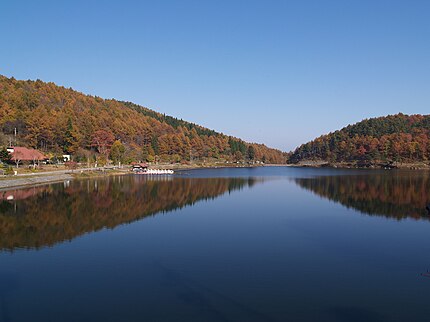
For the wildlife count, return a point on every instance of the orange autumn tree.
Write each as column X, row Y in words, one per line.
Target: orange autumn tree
column 103, row 141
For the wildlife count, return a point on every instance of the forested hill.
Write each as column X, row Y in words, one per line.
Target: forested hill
column 400, row 137
column 55, row 119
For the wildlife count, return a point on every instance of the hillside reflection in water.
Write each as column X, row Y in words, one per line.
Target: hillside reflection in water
column 45, row 215
column 393, row 194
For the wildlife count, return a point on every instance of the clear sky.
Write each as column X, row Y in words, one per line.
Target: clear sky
column 274, row 72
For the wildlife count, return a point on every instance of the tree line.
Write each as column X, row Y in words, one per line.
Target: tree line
column 58, row 120
column 394, row 138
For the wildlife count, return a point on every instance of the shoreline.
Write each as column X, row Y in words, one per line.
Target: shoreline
column 42, row 178
column 370, row 166
column 18, row 183
column 14, row 182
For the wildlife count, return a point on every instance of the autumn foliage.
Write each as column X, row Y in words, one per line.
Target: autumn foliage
column 53, row 118
column 394, row 138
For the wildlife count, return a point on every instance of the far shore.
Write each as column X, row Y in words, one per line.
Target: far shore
column 356, row 165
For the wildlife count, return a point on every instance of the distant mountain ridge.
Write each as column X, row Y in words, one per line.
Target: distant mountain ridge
column 392, row 138
column 61, row 120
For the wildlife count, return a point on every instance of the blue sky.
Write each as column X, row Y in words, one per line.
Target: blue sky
column 274, row 72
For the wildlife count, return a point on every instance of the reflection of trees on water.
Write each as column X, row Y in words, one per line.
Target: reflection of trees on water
column 393, row 194
column 43, row 216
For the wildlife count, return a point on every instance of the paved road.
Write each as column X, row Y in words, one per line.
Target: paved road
column 65, row 171
column 20, row 182
column 29, row 179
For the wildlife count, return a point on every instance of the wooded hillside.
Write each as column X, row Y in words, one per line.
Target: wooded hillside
column 400, row 137
column 59, row 120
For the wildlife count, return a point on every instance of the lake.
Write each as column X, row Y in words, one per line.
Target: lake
column 245, row 244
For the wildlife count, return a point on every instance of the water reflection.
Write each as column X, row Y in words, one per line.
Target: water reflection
column 393, row 194
column 45, row 215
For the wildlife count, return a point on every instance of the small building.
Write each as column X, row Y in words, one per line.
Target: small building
column 139, row 167
column 22, row 155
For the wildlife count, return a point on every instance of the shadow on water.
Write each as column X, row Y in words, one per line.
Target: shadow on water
column 393, row 194
column 45, row 215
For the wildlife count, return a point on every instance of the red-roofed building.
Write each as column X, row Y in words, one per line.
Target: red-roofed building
column 137, row 167
column 21, row 154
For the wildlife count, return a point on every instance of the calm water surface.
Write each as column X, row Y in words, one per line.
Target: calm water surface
column 265, row 244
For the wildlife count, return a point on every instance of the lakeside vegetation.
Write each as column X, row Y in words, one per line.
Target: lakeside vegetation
column 392, row 139
column 58, row 120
